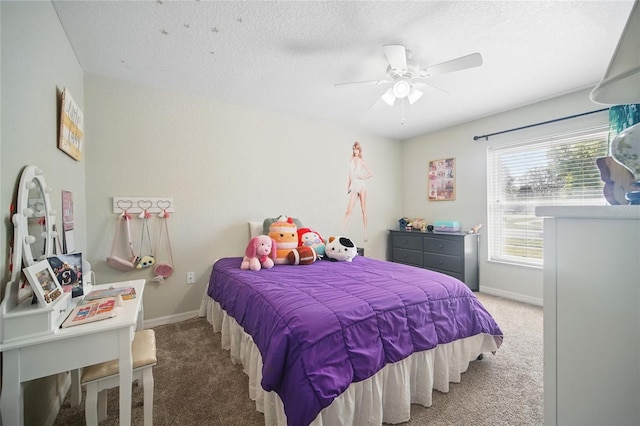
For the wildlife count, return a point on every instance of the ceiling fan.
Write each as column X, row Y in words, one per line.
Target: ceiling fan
column 403, row 73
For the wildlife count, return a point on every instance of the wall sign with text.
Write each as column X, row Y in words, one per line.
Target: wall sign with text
column 71, row 127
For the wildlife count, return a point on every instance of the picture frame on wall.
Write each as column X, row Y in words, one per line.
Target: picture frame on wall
column 442, row 180
column 71, row 138
column 44, row 282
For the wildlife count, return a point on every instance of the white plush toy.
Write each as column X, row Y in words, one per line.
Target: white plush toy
column 340, row 248
column 260, row 253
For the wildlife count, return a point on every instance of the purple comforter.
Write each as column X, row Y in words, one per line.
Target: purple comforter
column 320, row 327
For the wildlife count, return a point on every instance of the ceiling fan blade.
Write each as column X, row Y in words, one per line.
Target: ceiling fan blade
column 397, row 57
column 362, row 83
column 427, row 86
column 461, row 63
column 414, row 95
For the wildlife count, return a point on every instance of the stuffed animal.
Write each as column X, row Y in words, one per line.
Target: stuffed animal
column 302, row 255
column 340, row 249
column 260, row 253
column 145, row 262
column 310, row 238
column 284, row 233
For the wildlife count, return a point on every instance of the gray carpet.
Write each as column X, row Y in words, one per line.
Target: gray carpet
column 196, row 383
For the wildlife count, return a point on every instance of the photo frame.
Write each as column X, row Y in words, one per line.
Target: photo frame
column 44, row 282
column 68, row 270
column 442, row 180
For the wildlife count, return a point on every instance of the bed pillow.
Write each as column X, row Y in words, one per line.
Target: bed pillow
column 268, row 221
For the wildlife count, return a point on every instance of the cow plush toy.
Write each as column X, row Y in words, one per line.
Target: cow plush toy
column 340, row 249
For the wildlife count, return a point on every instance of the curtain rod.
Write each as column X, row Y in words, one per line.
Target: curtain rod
column 486, row 137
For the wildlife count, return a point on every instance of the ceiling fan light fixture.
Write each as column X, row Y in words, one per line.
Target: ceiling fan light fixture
column 401, row 89
column 414, row 95
column 389, row 97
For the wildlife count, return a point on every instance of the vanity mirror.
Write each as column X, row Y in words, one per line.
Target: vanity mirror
column 33, row 241
column 35, row 217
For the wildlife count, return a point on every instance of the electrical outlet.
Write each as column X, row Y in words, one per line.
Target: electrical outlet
column 191, row 277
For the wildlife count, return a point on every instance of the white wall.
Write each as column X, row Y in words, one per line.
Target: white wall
column 470, row 206
column 37, row 64
column 224, row 165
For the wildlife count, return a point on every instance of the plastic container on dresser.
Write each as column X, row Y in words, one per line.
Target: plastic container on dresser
column 454, row 254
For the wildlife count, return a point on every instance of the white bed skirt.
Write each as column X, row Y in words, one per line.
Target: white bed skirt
column 385, row 397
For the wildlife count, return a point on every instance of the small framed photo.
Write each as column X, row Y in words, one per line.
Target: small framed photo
column 44, row 282
column 68, row 270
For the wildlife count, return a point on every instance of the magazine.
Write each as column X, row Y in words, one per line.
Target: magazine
column 125, row 292
column 94, row 311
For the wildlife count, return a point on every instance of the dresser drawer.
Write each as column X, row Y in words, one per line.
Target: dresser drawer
column 409, row 257
column 454, row 254
column 443, row 246
column 411, row 242
column 443, row 262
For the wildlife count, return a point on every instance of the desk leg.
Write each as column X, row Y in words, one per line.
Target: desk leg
column 12, row 399
column 126, row 375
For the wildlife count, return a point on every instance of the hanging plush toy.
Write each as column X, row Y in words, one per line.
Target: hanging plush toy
column 260, row 253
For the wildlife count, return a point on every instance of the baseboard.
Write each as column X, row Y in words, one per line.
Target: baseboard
column 171, row 319
column 511, row 295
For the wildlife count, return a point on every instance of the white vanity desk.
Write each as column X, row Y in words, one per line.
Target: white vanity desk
column 67, row 349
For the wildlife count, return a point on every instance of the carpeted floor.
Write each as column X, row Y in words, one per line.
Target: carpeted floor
column 196, row 383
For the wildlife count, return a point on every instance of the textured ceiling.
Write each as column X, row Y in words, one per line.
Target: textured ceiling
column 285, row 56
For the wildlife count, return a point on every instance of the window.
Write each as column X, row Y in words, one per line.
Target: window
column 558, row 170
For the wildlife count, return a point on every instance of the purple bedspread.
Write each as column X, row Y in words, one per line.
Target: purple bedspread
column 320, row 327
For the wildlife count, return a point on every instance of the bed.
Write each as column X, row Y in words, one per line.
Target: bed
column 346, row 342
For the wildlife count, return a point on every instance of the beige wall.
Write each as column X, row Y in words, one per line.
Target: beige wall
column 224, row 165
column 37, row 64
column 470, row 206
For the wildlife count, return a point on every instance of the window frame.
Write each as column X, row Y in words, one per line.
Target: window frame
column 498, row 202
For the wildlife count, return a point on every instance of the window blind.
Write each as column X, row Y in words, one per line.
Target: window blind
column 556, row 170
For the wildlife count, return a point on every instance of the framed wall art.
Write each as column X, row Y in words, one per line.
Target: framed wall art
column 44, row 282
column 442, row 180
column 71, row 136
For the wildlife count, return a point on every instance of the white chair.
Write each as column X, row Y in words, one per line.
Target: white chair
column 100, row 377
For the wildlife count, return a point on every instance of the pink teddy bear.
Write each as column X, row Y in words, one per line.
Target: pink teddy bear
column 260, row 253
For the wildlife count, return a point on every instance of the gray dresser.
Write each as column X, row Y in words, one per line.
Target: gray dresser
column 454, row 254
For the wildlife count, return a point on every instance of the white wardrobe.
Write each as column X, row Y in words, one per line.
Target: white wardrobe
column 591, row 315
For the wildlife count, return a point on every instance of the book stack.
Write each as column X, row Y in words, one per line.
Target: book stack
column 125, row 292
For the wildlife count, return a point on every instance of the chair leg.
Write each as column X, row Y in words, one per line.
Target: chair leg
column 147, row 383
column 102, row 405
column 91, row 405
